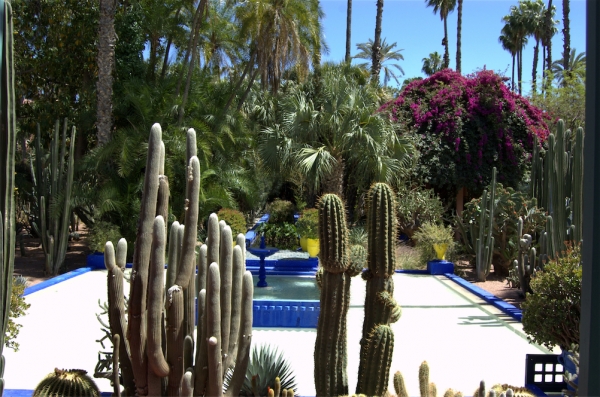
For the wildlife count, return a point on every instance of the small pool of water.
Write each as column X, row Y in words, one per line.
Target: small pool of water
column 287, row 288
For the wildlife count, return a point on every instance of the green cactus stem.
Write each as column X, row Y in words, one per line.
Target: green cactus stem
column 424, row 379
column 484, row 248
column 399, row 385
column 330, row 346
column 377, row 359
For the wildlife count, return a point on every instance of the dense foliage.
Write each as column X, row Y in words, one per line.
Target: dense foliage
column 415, row 207
column 551, row 314
column 18, row 308
column 463, row 126
column 431, row 233
column 235, row 219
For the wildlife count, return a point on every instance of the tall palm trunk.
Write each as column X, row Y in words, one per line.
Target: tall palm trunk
column 446, row 49
column 376, row 64
column 520, row 69
column 106, row 61
column 536, row 50
column 334, row 181
column 459, row 36
column 188, row 50
column 549, row 36
column 513, row 73
column 168, row 49
column 567, row 35
column 348, row 30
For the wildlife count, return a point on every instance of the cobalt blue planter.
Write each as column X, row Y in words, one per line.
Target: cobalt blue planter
column 96, row 260
column 438, row 266
column 566, row 360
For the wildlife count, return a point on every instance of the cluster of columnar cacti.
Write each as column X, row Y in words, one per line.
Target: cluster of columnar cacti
column 7, row 177
column 526, row 262
column 381, row 310
column 484, row 246
column 67, row 383
column 53, row 181
column 158, row 355
column 557, row 183
column 330, row 374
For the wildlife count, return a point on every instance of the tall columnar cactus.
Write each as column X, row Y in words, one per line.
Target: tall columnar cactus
column 484, row 246
column 330, row 347
column 53, row 181
column 577, row 187
column 526, row 262
column 147, row 366
column 380, row 306
column 7, row 177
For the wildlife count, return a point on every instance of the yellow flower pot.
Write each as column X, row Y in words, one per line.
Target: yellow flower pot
column 303, row 243
column 440, row 250
column 312, row 247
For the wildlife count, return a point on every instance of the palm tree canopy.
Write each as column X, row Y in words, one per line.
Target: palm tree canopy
column 576, row 66
column 444, row 7
column 366, row 52
column 432, row 64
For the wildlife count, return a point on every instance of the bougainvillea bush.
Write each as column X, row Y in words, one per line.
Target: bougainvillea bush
column 463, row 126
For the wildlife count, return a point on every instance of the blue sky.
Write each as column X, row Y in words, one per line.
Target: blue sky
column 418, row 31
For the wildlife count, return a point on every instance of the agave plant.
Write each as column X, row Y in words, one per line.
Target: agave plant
column 266, row 364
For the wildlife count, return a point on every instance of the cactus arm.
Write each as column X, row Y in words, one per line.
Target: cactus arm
column 188, row 352
column 378, row 356
column 136, row 332
column 187, row 261
column 226, row 274
column 162, row 204
column 577, row 190
column 201, row 360
column 399, row 385
column 156, row 358
column 63, row 237
column 173, row 258
column 424, row 379
column 187, row 384
column 202, row 267
column 213, row 315
column 236, row 303
column 115, row 361
column 121, row 255
column 213, row 239
column 244, row 339
column 175, row 339
column 189, row 296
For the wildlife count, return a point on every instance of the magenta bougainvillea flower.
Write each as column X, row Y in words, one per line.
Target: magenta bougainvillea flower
column 463, row 126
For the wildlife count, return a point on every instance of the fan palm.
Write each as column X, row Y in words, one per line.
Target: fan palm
column 386, row 54
column 515, row 28
column 535, row 12
column 376, row 48
column 444, row 7
column 432, row 64
column 346, row 133
column 509, row 44
column 566, row 34
column 576, row 67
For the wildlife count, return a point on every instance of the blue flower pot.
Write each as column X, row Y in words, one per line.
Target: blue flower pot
column 440, row 266
column 96, row 260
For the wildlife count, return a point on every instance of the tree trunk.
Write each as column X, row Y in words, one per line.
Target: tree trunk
column 188, row 51
column 106, row 60
column 460, row 201
column 513, row 74
column 348, row 30
column 567, row 36
column 520, row 70
column 458, row 36
column 549, row 36
column 446, row 49
column 168, row 50
column 243, row 98
column 334, row 181
column 240, row 81
column 376, row 62
column 536, row 50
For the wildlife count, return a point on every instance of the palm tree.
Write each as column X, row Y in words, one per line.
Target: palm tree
column 516, row 28
column 576, row 64
column 346, row 135
column 106, row 62
column 348, row 30
column 535, row 13
column 566, row 34
column 550, row 30
column 444, row 7
column 458, row 36
column 508, row 43
column 366, row 52
column 432, row 64
column 376, row 48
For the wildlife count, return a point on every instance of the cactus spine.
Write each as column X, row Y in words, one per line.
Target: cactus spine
column 380, row 306
column 72, row 382
column 7, row 177
column 484, row 247
column 177, row 369
column 52, row 183
column 330, row 346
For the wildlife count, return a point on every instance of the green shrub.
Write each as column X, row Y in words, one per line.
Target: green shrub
column 415, row 207
column 408, row 258
column 100, row 233
column 280, row 235
column 429, row 234
column 358, row 236
column 551, row 313
column 235, row 219
column 18, row 307
column 281, row 211
column 308, row 223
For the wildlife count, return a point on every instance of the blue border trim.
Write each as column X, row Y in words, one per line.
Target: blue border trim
column 506, row 308
column 56, row 280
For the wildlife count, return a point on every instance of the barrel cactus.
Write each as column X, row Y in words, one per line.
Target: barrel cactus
column 66, row 383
